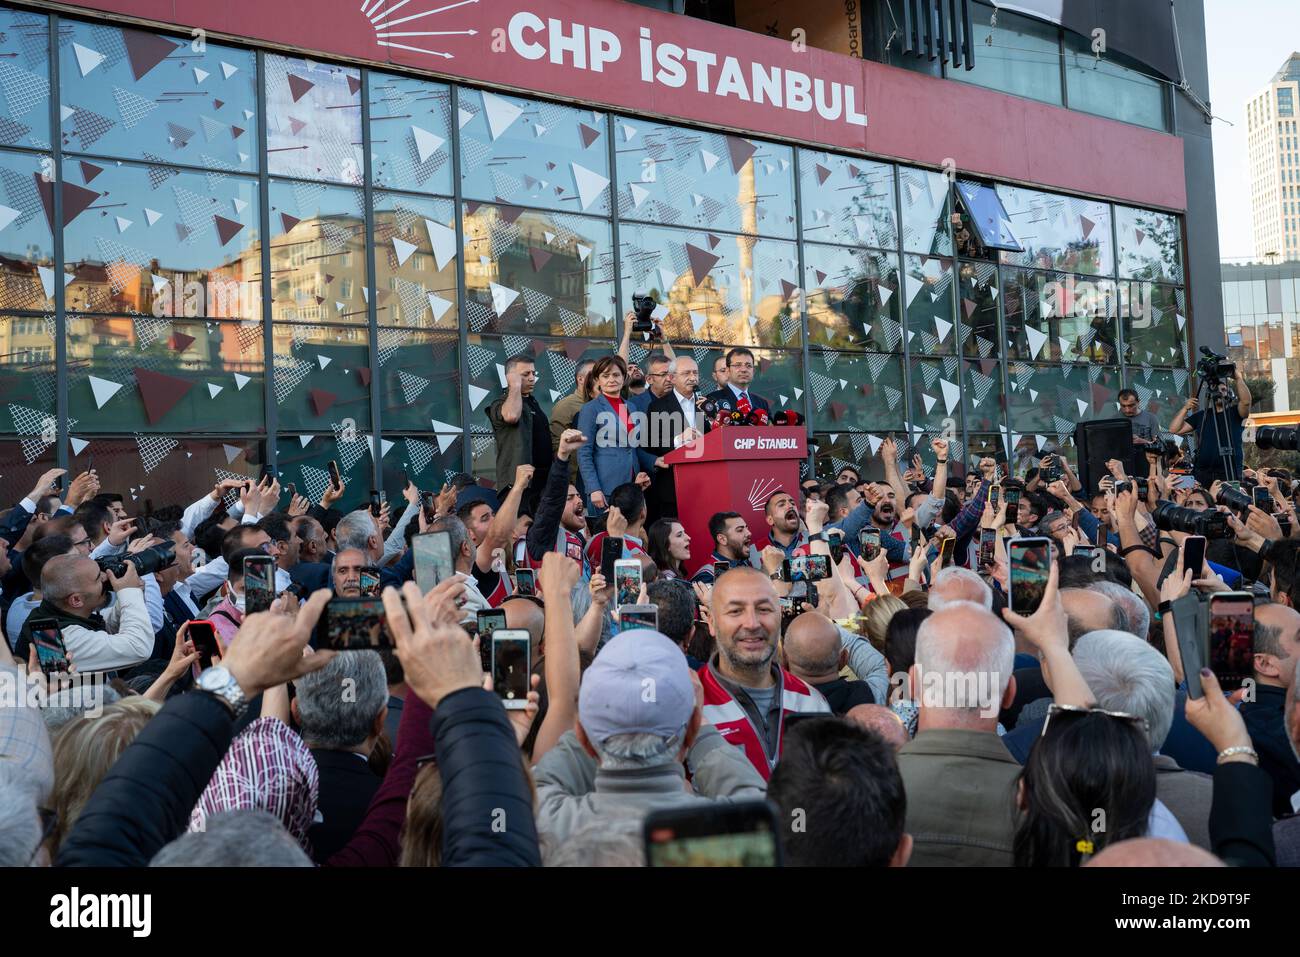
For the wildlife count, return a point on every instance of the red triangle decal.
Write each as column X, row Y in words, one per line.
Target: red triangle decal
column 701, row 261
column 363, row 375
column 787, row 289
column 298, row 87
column 540, row 258
column 289, row 222
column 226, row 228
column 574, row 348
column 159, row 392
column 146, row 50
column 589, row 134
column 218, row 104
column 179, row 342
column 89, row 171
column 713, row 240
column 354, row 85
column 75, row 199
column 321, row 400
column 741, row 150
column 823, row 174
column 236, row 132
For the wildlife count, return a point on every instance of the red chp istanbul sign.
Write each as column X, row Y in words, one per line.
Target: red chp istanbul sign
column 632, row 58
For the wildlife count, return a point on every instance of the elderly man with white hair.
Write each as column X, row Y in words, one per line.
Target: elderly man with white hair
column 959, row 777
column 954, row 584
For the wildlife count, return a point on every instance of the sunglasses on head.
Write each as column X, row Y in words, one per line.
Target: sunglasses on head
column 1060, row 711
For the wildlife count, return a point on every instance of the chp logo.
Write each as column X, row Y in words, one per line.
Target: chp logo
column 381, row 14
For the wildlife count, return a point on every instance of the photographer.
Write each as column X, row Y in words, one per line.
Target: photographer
column 1191, row 419
column 73, row 591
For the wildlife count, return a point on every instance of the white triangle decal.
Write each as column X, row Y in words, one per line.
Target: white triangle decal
column 200, row 75
column 1083, row 407
column 943, row 327
column 232, row 452
column 403, row 250
column 502, row 297
column 78, row 445
column 476, row 395
column 709, row 159
column 951, row 395
column 122, row 224
column 439, row 306
column 214, row 390
column 426, row 143
column 500, row 113
column 929, row 401
column 876, row 442
column 227, row 71
column 240, row 381
column 583, row 251
column 639, row 194
column 152, row 215
column 87, row 59
column 1036, row 340
column 590, row 184
column 7, row 215
column 324, row 361
column 443, row 241
column 305, row 440
column 103, row 390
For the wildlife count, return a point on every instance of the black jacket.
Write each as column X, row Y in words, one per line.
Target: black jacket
column 661, row 498
column 346, row 786
column 1241, row 824
column 145, row 800
column 545, row 530
column 726, row 399
column 1267, row 726
column 482, row 769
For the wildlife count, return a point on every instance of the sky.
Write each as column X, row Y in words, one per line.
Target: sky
column 1246, row 42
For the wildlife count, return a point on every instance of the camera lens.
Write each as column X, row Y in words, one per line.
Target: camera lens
column 1235, row 499
column 1277, row 437
column 1210, row 523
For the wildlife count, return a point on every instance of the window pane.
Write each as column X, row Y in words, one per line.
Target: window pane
column 410, row 133
column 557, row 364
column 165, row 242
column 1019, row 56
column 533, row 153
column 415, row 257
column 851, row 298
column 429, row 460
column 733, row 290
column 1050, row 399
column 847, row 200
column 936, row 392
column 1105, row 86
column 304, row 461
column 982, row 395
column 1151, row 247
column 313, row 121
column 1059, row 232
column 159, row 470
column 686, row 177
column 322, row 377
column 27, row 380
column 144, row 95
column 21, row 472
column 318, row 253
column 928, row 291
column 26, row 247
column 856, row 391
column 1055, row 317
column 979, row 310
column 419, row 379
column 1154, row 325
column 1160, row 391
column 926, row 208
column 537, row 273
column 142, row 373
column 843, row 448
column 24, row 80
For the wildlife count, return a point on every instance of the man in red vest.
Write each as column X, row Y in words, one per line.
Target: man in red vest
column 747, row 695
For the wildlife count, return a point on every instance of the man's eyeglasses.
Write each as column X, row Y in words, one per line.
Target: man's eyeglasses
column 1061, row 711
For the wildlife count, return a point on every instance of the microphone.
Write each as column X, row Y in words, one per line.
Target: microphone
column 787, row 417
column 757, row 417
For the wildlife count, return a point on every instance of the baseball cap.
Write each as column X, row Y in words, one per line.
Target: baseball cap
column 477, row 493
column 639, row 683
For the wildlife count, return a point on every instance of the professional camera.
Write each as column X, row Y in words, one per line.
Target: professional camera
column 1234, row 498
column 1213, row 367
column 1139, row 483
column 1053, row 471
column 146, row 561
column 643, row 325
column 1210, row 523
column 1166, row 449
column 1283, row 438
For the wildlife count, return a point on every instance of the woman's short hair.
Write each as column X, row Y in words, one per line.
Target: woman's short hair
column 602, row 365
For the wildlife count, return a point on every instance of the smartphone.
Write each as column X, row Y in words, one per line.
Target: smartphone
column 356, row 623
column 427, row 501
column 638, row 616
column 487, row 621
column 916, row 537
column 988, row 542
column 292, row 490
column 1030, row 560
column 511, row 666
column 993, row 497
column 51, row 655
column 525, row 581
column 204, row 635
column 1087, row 551
column 336, row 480
column 627, row 580
column 611, row 551
column 1012, row 496
column 707, row 834
column 869, row 541
column 376, row 504
column 259, row 583
column 432, row 559
column 1099, row 539
column 1263, row 500
column 1232, row 638
column 835, row 538
column 719, row 568
column 1190, row 642
column 945, row 551
column 795, row 569
column 370, row 581
column 1194, row 555
column 819, row 567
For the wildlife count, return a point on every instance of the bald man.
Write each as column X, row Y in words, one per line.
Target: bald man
column 747, row 695
column 812, row 650
column 958, row 584
column 1154, row 852
column 958, row 774
column 881, row 720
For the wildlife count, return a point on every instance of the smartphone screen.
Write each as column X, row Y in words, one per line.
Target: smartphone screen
column 369, row 581
column 1263, row 500
column 487, row 621
column 741, row 834
column 356, row 623
column 819, row 567
column 627, row 581
column 796, row 569
column 204, row 636
column 611, row 550
column 1013, row 499
column 1194, row 555
column 1232, row 638
column 432, row 559
column 993, row 497
column 1030, row 561
column 376, row 505
column 336, row 480
column 945, row 551
column 869, row 542
column 988, row 541
column 719, row 568
column 1099, row 539
column 638, row 616
column 50, row 653
column 259, row 583
column 511, row 664
column 1087, row 551
column 525, row 581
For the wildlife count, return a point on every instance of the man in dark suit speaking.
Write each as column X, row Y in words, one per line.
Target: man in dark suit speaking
column 735, row 395
column 672, row 419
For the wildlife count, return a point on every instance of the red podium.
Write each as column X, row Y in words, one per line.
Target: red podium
column 734, row 469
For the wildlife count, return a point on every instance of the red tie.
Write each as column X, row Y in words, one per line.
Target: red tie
column 743, row 406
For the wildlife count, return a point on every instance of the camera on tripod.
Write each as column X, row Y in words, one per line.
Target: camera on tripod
column 1210, row 523
column 1214, row 368
column 643, row 325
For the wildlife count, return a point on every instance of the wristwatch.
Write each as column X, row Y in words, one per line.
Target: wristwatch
column 818, row 537
column 221, row 684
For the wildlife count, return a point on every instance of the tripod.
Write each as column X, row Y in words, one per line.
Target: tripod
column 1222, row 427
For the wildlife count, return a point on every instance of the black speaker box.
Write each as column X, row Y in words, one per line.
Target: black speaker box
column 1098, row 442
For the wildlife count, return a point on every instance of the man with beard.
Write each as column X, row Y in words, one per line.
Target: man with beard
column 748, row 697
column 561, row 519
column 783, row 522
column 732, row 543
column 852, row 512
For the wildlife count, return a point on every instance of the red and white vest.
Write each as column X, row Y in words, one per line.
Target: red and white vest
column 727, row 715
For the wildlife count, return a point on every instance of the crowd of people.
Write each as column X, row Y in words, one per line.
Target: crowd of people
column 894, row 711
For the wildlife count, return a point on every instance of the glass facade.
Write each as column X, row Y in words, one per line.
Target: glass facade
column 1262, row 325
column 233, row 259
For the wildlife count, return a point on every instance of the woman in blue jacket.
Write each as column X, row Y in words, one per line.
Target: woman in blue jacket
column 608, row 458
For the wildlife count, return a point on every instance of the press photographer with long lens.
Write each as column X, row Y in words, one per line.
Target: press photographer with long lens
column 1218, row 433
